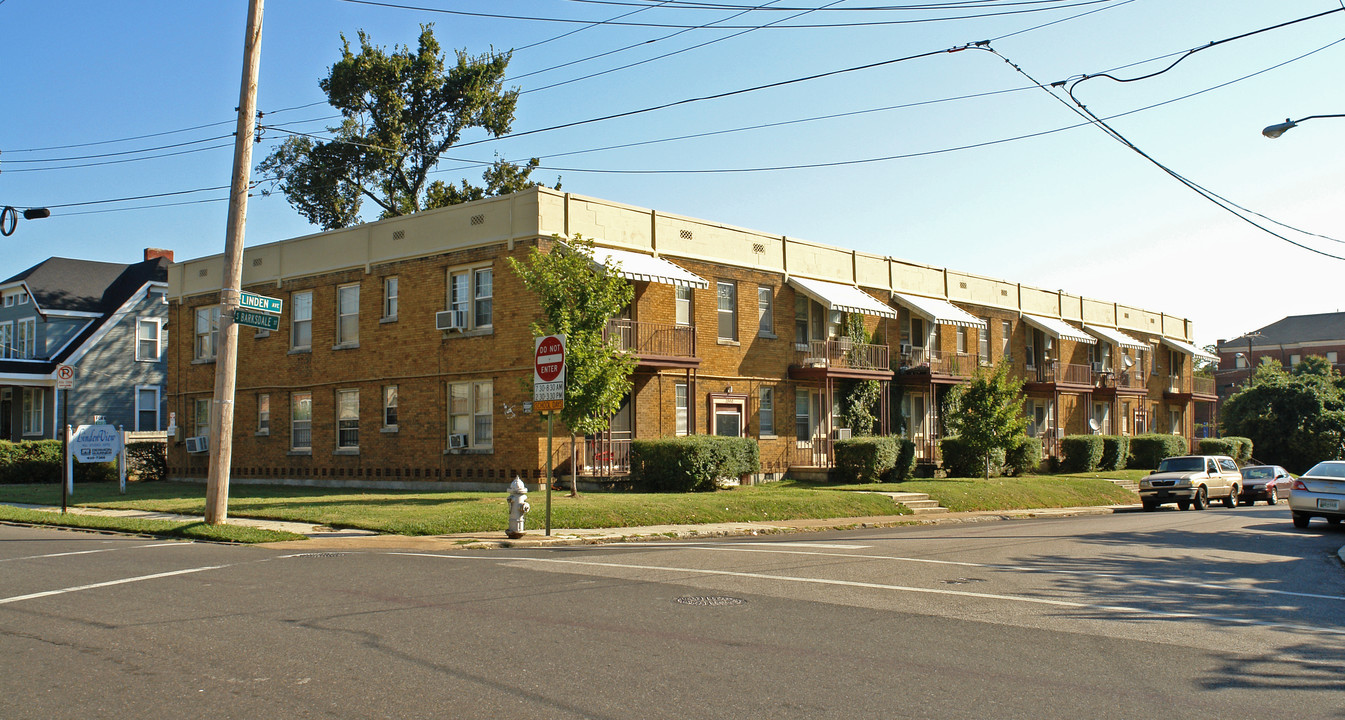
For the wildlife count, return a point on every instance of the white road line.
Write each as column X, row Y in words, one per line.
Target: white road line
column 1125, row 609
column 109, row 583
column 737, row 547
column 90, row 552
column 823, row 546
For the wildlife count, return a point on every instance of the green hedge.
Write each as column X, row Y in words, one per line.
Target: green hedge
column 1082, row 453
column 1025, row 457
column 905, row 467
column 1146, row 451
column 1219, row 446
column 867, row 459
column 39, row 461
column 1244, row 454
column 146, row 461
column 960, row 461
column 1115, row 452
column 691, row 463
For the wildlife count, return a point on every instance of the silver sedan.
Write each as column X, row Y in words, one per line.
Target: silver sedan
column 1319, row 492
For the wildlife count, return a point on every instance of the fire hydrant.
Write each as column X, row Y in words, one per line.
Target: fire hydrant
column 518, row 507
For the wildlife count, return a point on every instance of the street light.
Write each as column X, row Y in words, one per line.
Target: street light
column 1279, row 129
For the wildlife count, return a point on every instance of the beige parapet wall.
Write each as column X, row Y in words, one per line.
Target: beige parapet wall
column 540, row 212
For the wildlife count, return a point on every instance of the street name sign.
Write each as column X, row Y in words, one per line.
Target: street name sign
column 251, row 318
column 253, row 301
column 548, row 380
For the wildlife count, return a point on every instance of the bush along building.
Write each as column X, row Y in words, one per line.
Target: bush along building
column 107, row 321
column 404, row 353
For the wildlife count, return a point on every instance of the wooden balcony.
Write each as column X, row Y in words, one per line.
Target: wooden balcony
column 841, row 358
column 655, row 344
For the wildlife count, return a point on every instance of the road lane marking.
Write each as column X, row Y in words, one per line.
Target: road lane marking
column 1124, row 609
column 90, row 552
column 109, row 583
column 822, row 546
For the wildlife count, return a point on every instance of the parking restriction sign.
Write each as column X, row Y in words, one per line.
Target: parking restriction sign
column 65, row 377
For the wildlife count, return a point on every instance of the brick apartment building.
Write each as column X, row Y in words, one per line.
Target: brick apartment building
column 1287, row 340
column 735, row 331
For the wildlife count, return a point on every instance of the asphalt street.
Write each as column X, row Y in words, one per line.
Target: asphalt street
column 1223, row 613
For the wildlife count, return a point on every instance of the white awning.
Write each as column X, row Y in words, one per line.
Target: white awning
column 1059, row 328
column 1189, row 349
column 1115, row 337
column 846, row 298
column 941, row 312
column 647, row 268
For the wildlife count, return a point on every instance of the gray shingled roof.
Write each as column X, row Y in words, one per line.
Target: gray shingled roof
column 1294, row 329
column 77, row 285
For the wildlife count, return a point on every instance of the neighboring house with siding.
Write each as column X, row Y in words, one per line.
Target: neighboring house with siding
column 108, row 321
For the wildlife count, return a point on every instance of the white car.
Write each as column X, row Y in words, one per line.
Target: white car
column 1319, row 492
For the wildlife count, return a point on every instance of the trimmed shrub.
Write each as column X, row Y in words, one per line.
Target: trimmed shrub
column 1115, row 452
column 865, row 459
column 1082, row 453
column 1146, row 451
column 1025, row 457
column 146, row 461
column 960, row 461
column 39, row 461
column 905, row 467
column 693, row 463
column 1219, row 446
column 1244, row 454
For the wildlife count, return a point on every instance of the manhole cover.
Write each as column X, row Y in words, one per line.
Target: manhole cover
column 710, row 600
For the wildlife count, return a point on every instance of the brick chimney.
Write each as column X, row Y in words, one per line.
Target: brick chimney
column 156, row 253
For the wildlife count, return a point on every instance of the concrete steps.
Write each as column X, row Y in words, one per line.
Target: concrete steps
column 1130, row 485
column 918, row 503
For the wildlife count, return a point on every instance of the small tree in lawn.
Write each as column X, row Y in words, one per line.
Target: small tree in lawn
column 578, row 297
column 987, row 412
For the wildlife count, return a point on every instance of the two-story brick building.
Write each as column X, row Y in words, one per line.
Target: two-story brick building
column 1288, row 341
column 736, row 332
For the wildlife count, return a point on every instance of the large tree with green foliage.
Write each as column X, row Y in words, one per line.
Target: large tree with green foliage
column 401, row 110
column 1294, row 419
column 987, row 412
column 578, row 297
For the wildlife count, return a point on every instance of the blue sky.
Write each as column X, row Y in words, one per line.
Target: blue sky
column 1071, row 209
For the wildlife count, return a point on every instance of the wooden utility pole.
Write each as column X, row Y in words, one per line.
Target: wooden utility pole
column 226, row 355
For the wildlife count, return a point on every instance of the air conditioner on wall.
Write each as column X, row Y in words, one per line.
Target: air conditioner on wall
column 841, row 433
column 457, row 441
column 905, row 348
column 198, row 444
column 1097, row 367
column 1059, row 433
column 450, row 320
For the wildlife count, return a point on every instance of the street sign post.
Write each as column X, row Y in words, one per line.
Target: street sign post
column 252, row 318
column 253, row 301
column 548, row 394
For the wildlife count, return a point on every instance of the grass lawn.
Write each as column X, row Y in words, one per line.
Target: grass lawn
column 143, row 526
column 1014, row 493
column 438, row 513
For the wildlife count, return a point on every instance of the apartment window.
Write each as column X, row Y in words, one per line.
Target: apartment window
column 1006, row 334
column 680, row 403
column 728, row 418
column 470, row 413
column 389, row 407
column 301, row 422
column 34, row 403
column 301, row 322
column 23, row 298
column 470, row 296
column 983, row 341
column 264, row 414
column 803, row 427
column 147, row 339
column 6, row 340
column 207, row 332
column 765, row 314
column 200, row 416
column 1175, row 422
column 683, row 304
column 26, row 337
column 347, row 419
column 1294, row 360
column 961, row 340
column 390, row 298
column 800, row 319
column 9, row 300
column 1331, row 356
column 1240, row 361
column 728, row 310
column 146, row 408
column 766, row 412
column 1030, row 347
column 348, row 315
column 918, row 334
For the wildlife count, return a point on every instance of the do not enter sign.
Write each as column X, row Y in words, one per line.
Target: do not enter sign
column 548, row 381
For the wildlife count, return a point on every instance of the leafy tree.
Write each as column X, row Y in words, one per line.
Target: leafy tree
column 401, row 110
column 1294, row 419
column 987, row 412
column 578, row 297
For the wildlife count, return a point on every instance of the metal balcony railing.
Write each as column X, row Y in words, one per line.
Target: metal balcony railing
column 1202, row 385
column 843, row 353
column 955, row 364
column 1058, row 372
column 651, row 339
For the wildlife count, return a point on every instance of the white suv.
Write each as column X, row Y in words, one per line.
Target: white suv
column 1191, row 481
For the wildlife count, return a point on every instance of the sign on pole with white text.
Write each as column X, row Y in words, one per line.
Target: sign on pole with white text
column 95, row 443
column 548, row 379
column 261, row 303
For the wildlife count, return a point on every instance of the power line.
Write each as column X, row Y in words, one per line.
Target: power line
column 123, row 152
column 123, row 160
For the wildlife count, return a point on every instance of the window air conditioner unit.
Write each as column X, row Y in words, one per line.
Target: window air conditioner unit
column 457, row 441
column 450, row 320
column 1059, row 433
column 905, row 348
column 1097, row 367
column 198, row 444
column 841, row 433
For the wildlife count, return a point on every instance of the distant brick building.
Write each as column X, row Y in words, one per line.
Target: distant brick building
column 736, row 332
column 1288, row 340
